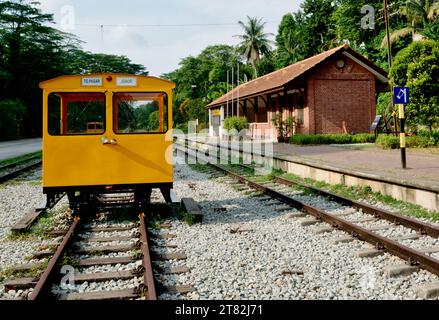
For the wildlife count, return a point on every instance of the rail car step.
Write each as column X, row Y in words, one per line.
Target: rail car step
column 103, row 295
column 108, row 249
column 24, row 223
column 20, row 283
column 193, row 208
column 103, row 276
column 104, row 261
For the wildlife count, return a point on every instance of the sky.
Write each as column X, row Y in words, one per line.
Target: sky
column 161, row 48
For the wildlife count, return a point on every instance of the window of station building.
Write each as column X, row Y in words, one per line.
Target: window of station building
column 140, row 113
column 76, row 113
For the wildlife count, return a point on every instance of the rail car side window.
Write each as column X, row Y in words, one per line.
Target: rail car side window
column 140, row 112
column 76, row 113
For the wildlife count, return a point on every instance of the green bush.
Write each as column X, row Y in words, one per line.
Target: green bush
column 11, row 112
column 237, row 123
column 332, row 138
column 392, row 142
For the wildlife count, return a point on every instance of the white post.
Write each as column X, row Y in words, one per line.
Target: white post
column 237, row 83
column 233, row 83
column 227, row 96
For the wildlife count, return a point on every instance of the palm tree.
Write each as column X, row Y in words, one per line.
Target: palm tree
column 255, row 42
column 420, row 14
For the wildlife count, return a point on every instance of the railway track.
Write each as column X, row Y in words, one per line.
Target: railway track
column 101, row 262
column 12, row 170
column 414, row 241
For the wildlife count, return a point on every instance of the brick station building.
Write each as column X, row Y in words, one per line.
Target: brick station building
column 333, row 92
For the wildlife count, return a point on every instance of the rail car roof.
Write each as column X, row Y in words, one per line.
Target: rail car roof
column 74, row 82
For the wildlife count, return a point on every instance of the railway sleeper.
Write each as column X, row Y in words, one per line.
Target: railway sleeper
column 124, row 294
column 108, row 249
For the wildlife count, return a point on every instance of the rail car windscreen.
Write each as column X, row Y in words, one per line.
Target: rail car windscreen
column 140, row 113
column 76, row 113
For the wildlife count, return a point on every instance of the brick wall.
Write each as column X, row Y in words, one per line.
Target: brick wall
column 341, row 99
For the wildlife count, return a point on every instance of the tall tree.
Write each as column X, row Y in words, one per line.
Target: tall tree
column 290, row 39
column 203, row 78
column 86, row 62
column 255, row 42
column 421, row 15
column 319, row 29
column 417, row 67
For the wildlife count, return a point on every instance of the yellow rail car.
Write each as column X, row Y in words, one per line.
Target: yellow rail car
column 107, row 133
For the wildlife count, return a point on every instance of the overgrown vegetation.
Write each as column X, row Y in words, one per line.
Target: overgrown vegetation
column 363, row 194
column 392, row 142
column 284, row 128
column 10, row 273
column 303, row 139
column 236, row 123
column 21, row 158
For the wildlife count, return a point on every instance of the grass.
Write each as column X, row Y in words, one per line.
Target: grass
column 9, row 273
column 21, row 158
column 185, row 216
column 361, row 194
column 68, row 261
column 304, row 139
column 392, row 142
column 45, row 223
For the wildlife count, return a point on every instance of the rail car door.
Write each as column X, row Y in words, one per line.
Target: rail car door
column 142, row 149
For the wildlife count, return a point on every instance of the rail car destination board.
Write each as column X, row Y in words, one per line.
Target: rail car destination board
column 92, row 81
column 98, row 81
column 126, row 81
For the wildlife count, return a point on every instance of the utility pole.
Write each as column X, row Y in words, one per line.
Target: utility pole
column 389, row 46
column 389, row 57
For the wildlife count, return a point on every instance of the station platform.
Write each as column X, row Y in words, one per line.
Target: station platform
column 354, row 165
column 16, row 148
column 422, row 165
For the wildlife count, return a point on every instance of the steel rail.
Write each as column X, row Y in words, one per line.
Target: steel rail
column 43, row 282
column 421, row 227
column 10, row 175
column 16, row 164
column 146, row 260
column 417, row 225
column 412, row 256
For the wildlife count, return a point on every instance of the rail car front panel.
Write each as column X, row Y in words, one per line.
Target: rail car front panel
column 107, row 133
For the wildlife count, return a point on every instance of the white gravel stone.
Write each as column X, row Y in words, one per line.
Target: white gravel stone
column 249, row 265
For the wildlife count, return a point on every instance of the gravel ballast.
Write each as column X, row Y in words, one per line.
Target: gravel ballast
column 245, row 249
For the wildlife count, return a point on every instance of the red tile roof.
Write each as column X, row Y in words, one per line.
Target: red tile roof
column 281, row 77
